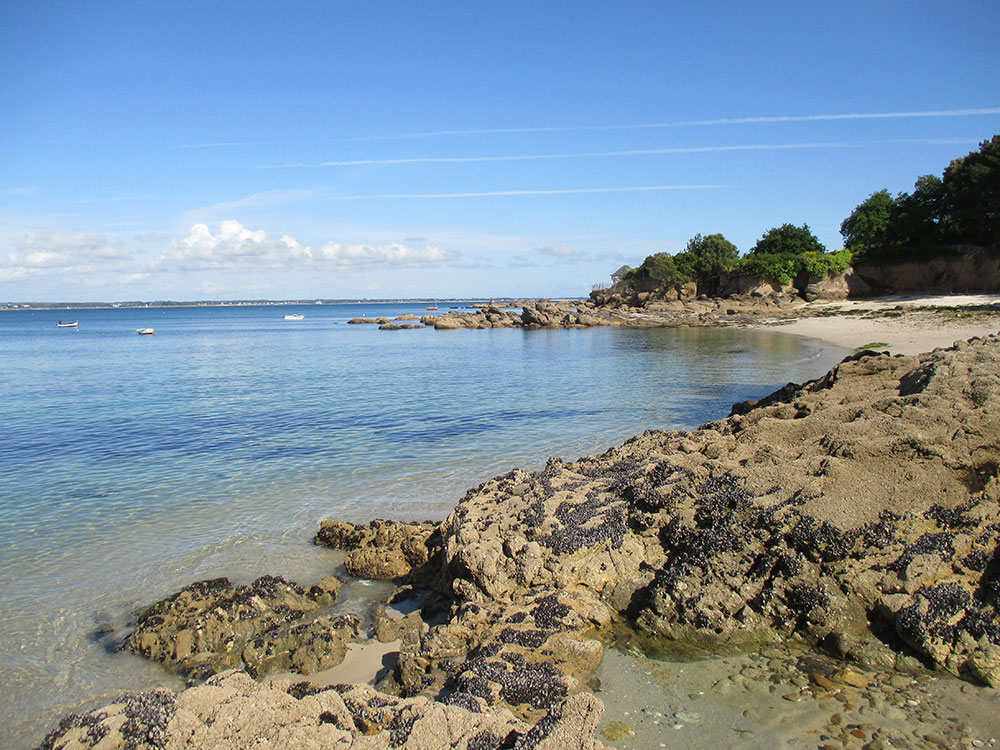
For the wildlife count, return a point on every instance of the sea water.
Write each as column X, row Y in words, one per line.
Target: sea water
column 133, row 465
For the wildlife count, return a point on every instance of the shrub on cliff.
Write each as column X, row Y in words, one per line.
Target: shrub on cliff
column 827, row 264
column 709, row 256
column 779, row 254
column 778, row 267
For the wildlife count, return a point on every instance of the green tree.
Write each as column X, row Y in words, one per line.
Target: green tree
column 661, row 270
column 710, row 255
column 971, row 188
column 919, row 218
column 788, row 239
column 866, row 229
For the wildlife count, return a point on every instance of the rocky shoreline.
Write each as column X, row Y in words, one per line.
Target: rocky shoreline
column 644, row 312
column 857, row 515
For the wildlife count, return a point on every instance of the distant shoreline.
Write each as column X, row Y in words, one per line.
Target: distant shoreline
column 28, row 306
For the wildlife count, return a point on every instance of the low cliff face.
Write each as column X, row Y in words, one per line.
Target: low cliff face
column 968, row 270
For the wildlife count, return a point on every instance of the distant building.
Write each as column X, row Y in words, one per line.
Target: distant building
column 619, row 274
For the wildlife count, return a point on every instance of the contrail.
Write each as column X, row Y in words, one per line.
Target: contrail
column 223, row 144
column 629, row 152
column 580, row 155
column 689, row 123
column 558, row 191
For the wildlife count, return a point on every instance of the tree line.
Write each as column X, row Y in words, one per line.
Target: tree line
column 962, row 207
column 941, row 214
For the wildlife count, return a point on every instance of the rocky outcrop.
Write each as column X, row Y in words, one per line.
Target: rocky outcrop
column 527, row 653
column 643, row 310
column 857, row 509
column 383, row 550
column 860, row 511
column 268, row 625
column 838, row 287
column 361, row 321
column 231, row 711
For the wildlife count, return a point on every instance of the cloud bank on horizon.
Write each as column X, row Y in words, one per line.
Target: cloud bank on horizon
column 512, row 160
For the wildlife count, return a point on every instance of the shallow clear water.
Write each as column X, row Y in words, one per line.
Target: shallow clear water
column 132, row 465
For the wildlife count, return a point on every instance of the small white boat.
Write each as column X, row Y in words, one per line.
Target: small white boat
column 74, row 324
column 146, row 331
column 295, row 317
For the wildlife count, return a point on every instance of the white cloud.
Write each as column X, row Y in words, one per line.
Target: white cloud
column 42, row 251
column 257, row 201
column 563, row 253
column 236, row 247
column 557, row 251
column 547, row 191
column 9, row 274
column 66, row 250
column 393, row 254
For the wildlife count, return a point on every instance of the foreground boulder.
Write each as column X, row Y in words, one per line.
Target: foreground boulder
column 234, row 711
column 268, row 625
column 526, row 655
column 383, row 550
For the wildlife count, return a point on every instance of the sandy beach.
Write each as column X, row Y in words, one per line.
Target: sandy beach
column 923, row 323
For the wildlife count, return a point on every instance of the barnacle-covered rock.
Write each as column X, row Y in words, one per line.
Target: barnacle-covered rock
column 205, row 627
column 866, row 499
column 384, row 550
column 232, row 711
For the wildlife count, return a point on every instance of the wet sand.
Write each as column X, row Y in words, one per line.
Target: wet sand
column 365, row 663
column 788, row 698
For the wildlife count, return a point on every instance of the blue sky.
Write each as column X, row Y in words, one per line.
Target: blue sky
column 220, row 150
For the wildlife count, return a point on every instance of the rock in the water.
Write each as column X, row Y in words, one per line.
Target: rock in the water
column 212, row 626
column 384, row 550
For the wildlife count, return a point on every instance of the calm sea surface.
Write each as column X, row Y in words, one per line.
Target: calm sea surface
column 132, row 465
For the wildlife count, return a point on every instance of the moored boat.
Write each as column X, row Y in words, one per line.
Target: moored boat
column 146, row 331
column 295, row 316
column 74, row 324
